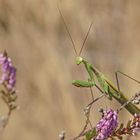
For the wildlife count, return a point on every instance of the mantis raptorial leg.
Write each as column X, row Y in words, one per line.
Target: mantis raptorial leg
column 106, row 85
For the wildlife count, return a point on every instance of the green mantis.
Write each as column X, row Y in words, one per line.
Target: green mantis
column 106, row 86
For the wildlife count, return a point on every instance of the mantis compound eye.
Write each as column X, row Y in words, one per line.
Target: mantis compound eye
column 79, row 60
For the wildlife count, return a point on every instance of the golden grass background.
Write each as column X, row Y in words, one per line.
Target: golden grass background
column 33, row 34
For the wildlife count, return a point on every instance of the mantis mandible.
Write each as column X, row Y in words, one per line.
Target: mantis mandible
column 106, row 85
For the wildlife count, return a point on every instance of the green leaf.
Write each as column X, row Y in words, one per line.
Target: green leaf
column 129, row 123
column 120, row 128
column 89, row 135
column 113, row 139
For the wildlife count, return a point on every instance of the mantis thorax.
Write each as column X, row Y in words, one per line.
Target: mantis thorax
column 79, row 60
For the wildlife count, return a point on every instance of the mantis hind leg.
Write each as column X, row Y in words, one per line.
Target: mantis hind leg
column 117, row 79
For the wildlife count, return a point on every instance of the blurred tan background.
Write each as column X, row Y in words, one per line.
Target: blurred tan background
column 33, row 34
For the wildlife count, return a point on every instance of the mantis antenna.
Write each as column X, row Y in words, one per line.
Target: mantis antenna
column 67, row 30
column 85, row 39
column 73, row 43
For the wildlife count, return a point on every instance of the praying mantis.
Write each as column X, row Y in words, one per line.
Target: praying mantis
column 107, row 87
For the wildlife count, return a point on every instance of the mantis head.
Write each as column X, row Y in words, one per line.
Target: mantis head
column 79, row 60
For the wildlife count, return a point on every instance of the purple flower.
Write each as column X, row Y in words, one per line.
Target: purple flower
column 107, row 124
column 8, row 77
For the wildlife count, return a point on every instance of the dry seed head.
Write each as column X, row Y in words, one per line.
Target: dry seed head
column 62, row 135
column 136, row 99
